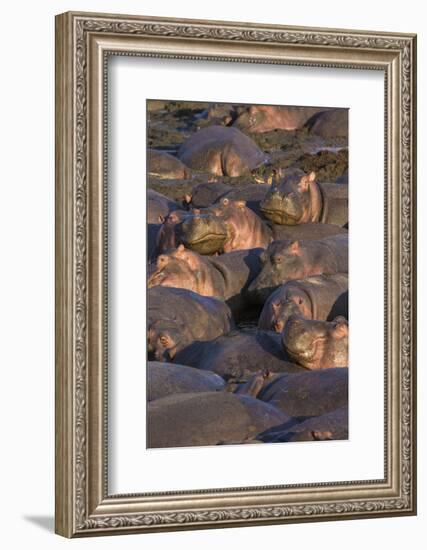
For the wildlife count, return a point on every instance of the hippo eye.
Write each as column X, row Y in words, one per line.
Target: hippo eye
column 277, row 259
column 300, row 301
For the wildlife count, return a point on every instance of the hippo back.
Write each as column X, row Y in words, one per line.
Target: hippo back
column 332, row 425
column 239, row 354
column 335, row 203
column 309, row 393
column 169, row 378
column 208, row 418
column 196, row 151
column 338, row 244
column 202, row 317
column 329, row 124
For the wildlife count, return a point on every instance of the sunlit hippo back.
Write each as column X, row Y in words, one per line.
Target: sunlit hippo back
column 222, row 151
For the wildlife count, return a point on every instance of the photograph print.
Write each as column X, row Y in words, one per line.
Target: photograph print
column 247, row 273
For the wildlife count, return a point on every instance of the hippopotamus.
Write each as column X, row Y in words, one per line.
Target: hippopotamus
column 206, row 194
column 169, row 378
column 226, row 277
column 329, row 426
column 332, row 123
column 242, row 228
column 321, row 297
column 316, row 344
column 159, row 206
column 208, row 418
column 297, row 198
column 222, row 151
column 239, row 354
column 164, row 165
column 168, row 235
column 178, row 317
column 266, row 118
column 308, row 393
column 287, row 260
column 224, row 227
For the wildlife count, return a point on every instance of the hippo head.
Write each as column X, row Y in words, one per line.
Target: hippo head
column 296, row 301
column 164, row 340
column 169, row 234
column 203, row 232
column 316, row 344
column 175, row 269
column 281, row 262
column 293, row 198
column 252, row 119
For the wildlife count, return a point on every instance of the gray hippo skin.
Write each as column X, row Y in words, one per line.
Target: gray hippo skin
column 284, row 261
column 239, row 354
column 316, row 345
column 321, row 297
column 177, row 317
column 158, row 206
column 329, row 124
column 221, row 151
column 169, row 378
column 305, row 231
column 330, row 426
column 308, row 393
column 225, row 277
column 296, row 198
column 166, row 166
column 208, row 418
column 266, row 118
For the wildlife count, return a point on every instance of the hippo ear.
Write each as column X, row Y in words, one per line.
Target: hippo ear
column 311, row 176
column 294, row 248
column 340, row 328
column 180, row 250
column 225, row 201
column 252, row 109
column 161, row 219
column 188, row 198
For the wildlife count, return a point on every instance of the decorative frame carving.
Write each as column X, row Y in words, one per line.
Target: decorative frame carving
column 83, row 43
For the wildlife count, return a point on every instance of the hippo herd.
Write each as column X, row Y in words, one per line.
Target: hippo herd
column 247, row 274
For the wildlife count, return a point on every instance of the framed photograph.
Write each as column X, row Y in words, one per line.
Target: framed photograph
column 231, row 198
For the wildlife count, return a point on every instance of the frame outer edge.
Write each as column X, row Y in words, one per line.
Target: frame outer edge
column 64, row 276
column 73, row 517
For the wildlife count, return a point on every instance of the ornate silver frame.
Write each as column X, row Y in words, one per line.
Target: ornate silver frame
column 83, row 42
